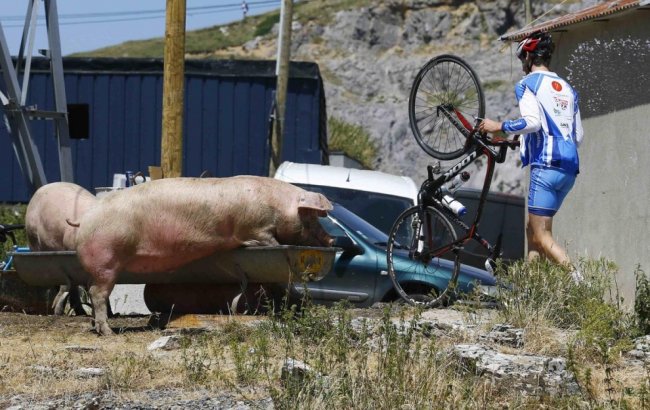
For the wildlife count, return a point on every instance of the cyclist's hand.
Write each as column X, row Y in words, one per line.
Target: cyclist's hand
column 488, row 125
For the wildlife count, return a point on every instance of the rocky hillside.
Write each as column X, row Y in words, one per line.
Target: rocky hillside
column 369, row 51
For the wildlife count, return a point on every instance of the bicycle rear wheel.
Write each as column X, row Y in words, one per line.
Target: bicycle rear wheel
column 421, row 253
column 445, row 81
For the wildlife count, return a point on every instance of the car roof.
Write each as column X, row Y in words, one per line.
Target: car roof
column 347, row 178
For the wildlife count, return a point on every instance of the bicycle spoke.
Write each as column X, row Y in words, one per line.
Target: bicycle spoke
column 423, row 230
column 443, row 82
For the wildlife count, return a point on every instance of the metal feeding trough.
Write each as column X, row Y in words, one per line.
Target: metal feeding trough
column 262, row 264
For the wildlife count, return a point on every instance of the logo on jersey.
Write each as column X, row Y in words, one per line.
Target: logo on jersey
column 561, row 103
column 556, row 86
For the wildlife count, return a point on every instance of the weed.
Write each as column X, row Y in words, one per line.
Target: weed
column 129, row 371
column 642, row 301
column 196, row 359
column 351, row 139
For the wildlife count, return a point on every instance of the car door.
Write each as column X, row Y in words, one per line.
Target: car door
column 354, row 273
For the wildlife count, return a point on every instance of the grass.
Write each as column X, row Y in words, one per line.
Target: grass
column 357, row 360
column 11, row 214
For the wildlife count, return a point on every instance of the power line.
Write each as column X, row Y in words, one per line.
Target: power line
column 144, row 13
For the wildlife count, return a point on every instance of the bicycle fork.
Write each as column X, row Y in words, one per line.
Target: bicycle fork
column 422, row 245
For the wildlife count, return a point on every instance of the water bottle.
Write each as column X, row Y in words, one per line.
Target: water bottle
column 129, row 179
column 454, row 205
column 458, row 180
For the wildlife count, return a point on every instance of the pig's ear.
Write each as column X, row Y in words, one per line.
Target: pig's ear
column 315, row 201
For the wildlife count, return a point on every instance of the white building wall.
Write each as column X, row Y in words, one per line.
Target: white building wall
column 607, row 213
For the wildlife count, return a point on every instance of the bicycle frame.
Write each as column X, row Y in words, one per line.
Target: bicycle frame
column 431, row 191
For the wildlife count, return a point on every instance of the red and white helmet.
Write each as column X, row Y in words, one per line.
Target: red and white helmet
column 540, row 44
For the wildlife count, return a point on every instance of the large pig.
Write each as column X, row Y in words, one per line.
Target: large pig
column 47, row 230
column 164, row 224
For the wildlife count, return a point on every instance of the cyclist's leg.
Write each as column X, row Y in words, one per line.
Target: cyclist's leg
column 548, row 188
column 541, row 228
column 533, row 251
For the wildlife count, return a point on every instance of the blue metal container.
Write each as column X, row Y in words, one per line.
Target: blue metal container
column 227, row 105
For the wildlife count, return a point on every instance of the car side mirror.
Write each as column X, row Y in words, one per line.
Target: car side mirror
column 347, row 244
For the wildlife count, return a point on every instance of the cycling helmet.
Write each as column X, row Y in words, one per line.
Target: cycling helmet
column 539, row 44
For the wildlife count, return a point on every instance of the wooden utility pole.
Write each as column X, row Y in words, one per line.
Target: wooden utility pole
column 529, row 13
column 282, row 73
column 171, row 149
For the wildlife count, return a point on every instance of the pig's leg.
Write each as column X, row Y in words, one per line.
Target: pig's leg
column 99, row 293
column 75, row 301
column 60, row 300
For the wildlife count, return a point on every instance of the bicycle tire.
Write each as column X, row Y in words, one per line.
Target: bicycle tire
column 447, row 81
column 411, row 265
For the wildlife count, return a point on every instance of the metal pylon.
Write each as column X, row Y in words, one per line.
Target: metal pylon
column 13, row 97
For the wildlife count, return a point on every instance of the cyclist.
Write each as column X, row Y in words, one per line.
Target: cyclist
column 550, row 121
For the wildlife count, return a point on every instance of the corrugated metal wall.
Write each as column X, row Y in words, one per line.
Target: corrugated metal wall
column 227, row 106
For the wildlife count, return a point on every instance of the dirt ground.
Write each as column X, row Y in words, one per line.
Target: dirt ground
column 60, row 362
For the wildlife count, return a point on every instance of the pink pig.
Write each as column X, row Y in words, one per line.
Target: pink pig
column 47, row 230
column 164, row 224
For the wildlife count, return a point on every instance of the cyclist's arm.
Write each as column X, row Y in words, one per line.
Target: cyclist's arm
column 530, row 120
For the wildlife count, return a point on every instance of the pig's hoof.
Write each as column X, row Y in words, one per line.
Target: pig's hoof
column 103, row 329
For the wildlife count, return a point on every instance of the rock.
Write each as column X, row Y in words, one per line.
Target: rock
column 88, row 372
column 505, row 335
column 166, row 343
column 534, row 375
column 294, row 368
column 252, row 44
column 297, row 371
column 425, row 26
column 641, row 349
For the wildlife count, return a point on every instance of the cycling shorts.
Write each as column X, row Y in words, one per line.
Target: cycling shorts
column 548, row 188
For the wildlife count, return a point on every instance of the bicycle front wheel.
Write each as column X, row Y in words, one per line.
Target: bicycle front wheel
column 445, row 81
column 422, row 254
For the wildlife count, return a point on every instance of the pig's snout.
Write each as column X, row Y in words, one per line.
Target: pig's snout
column 316, row 236
column 325, row 240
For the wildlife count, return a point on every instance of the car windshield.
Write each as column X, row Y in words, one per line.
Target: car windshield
column 380, row 210
column 357, row 225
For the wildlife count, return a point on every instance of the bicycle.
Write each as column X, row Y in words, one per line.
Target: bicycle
column 446, row 95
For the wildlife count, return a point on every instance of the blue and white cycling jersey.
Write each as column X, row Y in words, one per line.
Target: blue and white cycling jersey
column 550, row 121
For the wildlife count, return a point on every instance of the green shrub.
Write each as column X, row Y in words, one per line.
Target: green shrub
column 10, row 215
column 642, row 301
column 264, row 27
column 353, row 140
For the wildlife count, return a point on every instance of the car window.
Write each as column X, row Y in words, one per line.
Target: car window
column 331, row 227
column 379, row 209
column 356, row 224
